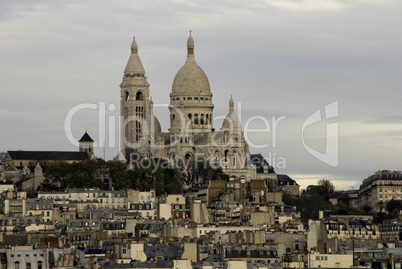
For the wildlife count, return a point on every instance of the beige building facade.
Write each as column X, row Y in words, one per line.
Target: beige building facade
column 381, row 187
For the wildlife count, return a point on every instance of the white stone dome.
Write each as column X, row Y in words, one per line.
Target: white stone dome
column 190, row 78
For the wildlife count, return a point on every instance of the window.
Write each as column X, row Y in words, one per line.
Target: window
column 39, row 265
column 317, row 258
column 28, row 265
column 17, row 265
column 139, row 96
column 196, row 119
column 226, row 155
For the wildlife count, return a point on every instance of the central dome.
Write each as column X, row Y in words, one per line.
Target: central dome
column 190, row 78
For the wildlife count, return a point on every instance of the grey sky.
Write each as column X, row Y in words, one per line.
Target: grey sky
column 277, row 57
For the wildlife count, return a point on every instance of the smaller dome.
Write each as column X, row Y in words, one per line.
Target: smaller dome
column 231, row 121
column 157, row 127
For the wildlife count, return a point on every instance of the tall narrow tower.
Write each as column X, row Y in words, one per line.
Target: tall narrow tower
column 135, row 106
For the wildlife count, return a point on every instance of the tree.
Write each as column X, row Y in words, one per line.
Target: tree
column 196, row 172
column 379, row 217
column 73, row 175
column 366, row 208
column 57, row 172
column 119, row 175
column 329, row 187
column 395, row 213
column 393, row 204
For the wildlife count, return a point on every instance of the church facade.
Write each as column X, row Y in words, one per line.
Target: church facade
column 192, row 134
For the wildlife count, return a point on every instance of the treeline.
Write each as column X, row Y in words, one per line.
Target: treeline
column 64, row 175
column 149, row 175
column 145, row 175
column 315, row 198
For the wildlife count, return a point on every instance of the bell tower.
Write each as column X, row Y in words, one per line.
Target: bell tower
column 86, row 144
column 135, row 105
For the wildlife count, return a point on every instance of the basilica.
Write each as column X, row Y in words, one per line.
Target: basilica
column 191, row 134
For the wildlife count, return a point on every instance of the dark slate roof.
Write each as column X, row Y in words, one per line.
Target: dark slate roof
column 86, row 138
column 16, row 239
column 165, row 251
column 111, row 264
column 259, row 161
column 48, row 155
column 116, row 225
column 157, row 264
column 284, row 180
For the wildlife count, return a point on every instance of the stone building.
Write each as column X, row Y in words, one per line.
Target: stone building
column 191, row 136
column 378, row 189
column 26, row 168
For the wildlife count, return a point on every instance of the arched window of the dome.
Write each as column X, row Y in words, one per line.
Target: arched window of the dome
column 196, row 119
column 127, row 96
column 190, row 116
column 139, row 96
column 202, row 119
column 206, row 119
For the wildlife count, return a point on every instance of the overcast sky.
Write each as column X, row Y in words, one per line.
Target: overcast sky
column 276, row 57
